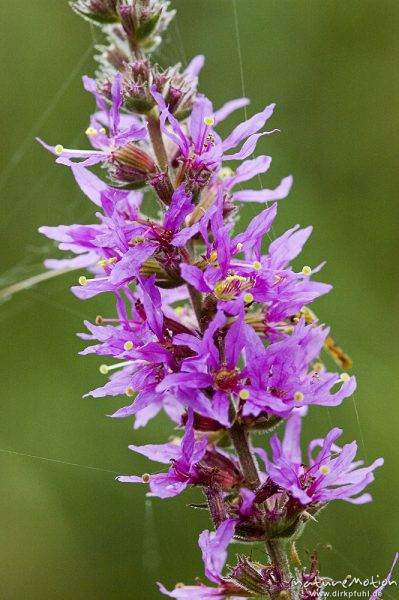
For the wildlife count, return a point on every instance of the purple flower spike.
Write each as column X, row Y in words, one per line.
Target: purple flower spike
column 210, row 321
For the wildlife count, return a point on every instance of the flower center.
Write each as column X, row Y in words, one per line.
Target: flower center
column 228, row 288
column 227, row 379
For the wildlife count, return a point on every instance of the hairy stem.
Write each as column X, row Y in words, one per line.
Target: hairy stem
column 277, row 551
column 196, row 301
column 155, row 133
column 241, row 442
column 276, row 548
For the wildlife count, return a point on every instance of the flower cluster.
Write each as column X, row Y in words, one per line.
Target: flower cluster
column 209, row 326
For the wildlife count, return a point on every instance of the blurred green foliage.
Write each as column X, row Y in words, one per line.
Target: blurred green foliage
column 70, row 532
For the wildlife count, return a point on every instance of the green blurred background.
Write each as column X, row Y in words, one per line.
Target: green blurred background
column 69, row 532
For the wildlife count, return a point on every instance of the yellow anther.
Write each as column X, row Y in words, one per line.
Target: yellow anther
column 257, row 265
column 235, row 278
column 306, row 270
column 325, row 470
column 277, row 278
column 128, row 345
column 91, row 131
column 239, row 246
column 103, row 369
column 179, row 586
column 102, row 130
column 99, row 320
column 298, row 396
column 129, row 391
column 209, row 121
column 82, row 280
column 137, row 240
column 112, row 260
column 344, row 377
column 318, row 367
column 102, row 262
column 244, row 394
column 225, row 172
column 59, row 149
column 213, row 256
column 146, row 477
column 179, row 310
column 248, row 297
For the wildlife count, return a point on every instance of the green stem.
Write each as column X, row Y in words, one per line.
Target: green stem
column 156, row 138
column 277, row 551
column 196, row 301
column 240, row 439
column 276, row 548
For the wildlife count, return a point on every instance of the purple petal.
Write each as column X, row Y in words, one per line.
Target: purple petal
column 90, row 85
column 246, row 506
column 179, row 208
column 193, row 592
column 377, row 593
column 229, row 107
column 194, row 276
column 214, row 548
column 287, row 247
column 176, row 135
column 248, row 128
column 162, row 453
column 78, row 262
column 292, row 439
column 116, row 92
column 202, row 108
column 152, row 306
column 166, row 485
column 248, row 147
column 127, row 268
column 182, row 237
column 195, row 66
column 135, row 133
column 221, row 408
column 90, row 184
column 265, row 195
column 189, row 380
column 130, row 479
column 248, row 170
column 235, row 341
column 91, row 156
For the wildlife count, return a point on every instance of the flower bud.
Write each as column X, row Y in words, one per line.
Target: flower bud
column 202, row 423
column 163, row 187
column 100, row 12
column 216, row 506
column 144, row 21
column 249, row 577
column 136, row 84
column 178, row 89
column 130, row 165
column 165, row 268
column 217, row 468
